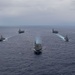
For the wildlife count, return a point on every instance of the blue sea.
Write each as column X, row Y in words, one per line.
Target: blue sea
column 17, row 56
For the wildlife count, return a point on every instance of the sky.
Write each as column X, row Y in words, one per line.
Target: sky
column 37, row 12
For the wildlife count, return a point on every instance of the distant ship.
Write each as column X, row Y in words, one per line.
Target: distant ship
column 37, row 48
column 66, row 38
column 2, row 38
column 54, row 31
column 20, row 31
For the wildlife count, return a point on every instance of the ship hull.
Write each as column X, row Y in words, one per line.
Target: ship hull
column 2, row 39
column 37, row 51
column 54, row 31
column 21, row 32
column 66, row 39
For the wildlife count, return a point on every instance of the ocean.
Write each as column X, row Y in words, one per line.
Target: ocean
column 17, row 56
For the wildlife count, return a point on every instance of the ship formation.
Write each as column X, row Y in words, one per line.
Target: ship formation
column 37, row 44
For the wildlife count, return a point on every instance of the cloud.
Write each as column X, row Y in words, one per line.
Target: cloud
column 47, row 11
column 18, row 6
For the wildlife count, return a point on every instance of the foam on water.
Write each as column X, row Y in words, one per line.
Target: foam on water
column 9, row 37
column 60, row 36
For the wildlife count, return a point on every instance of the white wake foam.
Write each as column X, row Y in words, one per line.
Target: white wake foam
column 9, row 37
column 60, row 36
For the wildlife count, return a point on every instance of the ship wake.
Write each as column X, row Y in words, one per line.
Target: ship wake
column 7, row 38
column 60, row 36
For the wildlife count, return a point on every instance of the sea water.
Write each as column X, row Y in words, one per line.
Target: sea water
column 17, row 56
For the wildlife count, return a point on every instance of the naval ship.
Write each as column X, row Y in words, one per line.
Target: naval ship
column 37, row 48
column 2, row 38
column 54, row 31
column 66, row 38
column 20, row 31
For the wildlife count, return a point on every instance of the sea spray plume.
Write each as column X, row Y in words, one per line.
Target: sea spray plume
column 38, row 40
